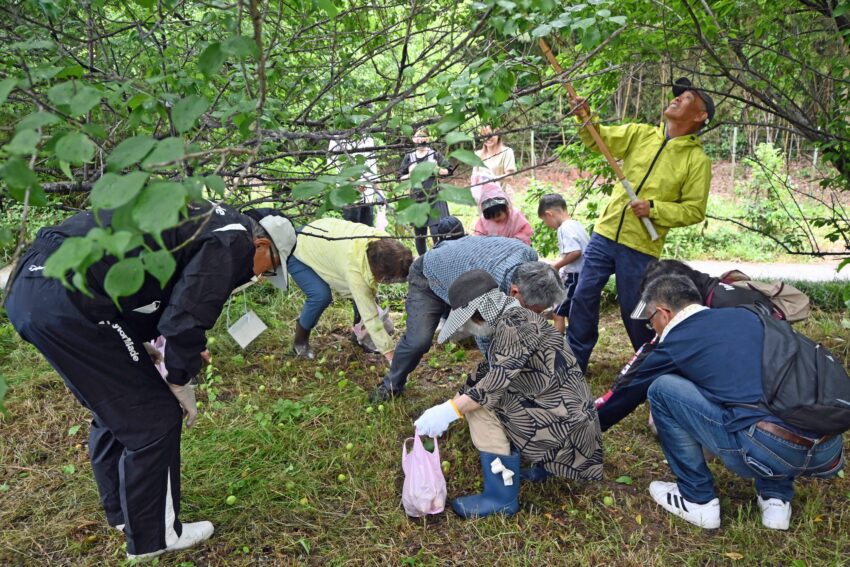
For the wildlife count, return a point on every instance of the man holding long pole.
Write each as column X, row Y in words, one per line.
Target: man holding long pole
column 665, row 179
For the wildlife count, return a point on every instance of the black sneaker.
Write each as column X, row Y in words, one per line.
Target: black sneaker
column 383, row 394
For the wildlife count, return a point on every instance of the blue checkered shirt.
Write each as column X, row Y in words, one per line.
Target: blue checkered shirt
column 497, row 255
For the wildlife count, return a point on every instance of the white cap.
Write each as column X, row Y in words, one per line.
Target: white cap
column 283, row 237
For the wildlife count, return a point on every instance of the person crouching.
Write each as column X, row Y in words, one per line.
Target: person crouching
column 529, row 399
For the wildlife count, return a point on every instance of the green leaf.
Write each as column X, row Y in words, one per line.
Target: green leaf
column 69, row 469
column 95, row 130
column 18, row 174
column 85, row 99
column 158, row 207
column 453, row 138
column 342, row 196
column 211, row 59
column 187, row 111
column 160, row 264
column 467, row 157
column 71, row 71
column 124, row 278
column 117, row 243
column 68, row 256
column 130, row 152
column 328, row 7
column 308, row 189
column 6, row 86
column 619, row 20
column 23, row 143
column 112, row 190
column 239, row 46
column 168, row 150
column 414, row 213
column 541, row 31
column 75, row 148
column 62, row 93
column 422, row 172
column 36, row 120
column 73, row 430
column 215, row 183
column 584, row 23
column 66, row 169
column 624, row 480
column 459, row 195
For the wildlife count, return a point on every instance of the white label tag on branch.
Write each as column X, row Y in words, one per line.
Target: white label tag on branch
column 247, row 328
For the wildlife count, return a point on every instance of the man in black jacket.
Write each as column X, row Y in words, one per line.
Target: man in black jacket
column 98, row 350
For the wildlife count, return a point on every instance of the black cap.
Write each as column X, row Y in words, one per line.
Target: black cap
column 683, row 84
column 469, row 286
column 449, row 228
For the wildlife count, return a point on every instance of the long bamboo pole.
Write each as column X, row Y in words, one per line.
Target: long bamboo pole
column 603, row 148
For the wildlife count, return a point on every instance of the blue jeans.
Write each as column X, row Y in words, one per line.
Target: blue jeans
column 602, row 258
column 318, row 292
column 687, row 422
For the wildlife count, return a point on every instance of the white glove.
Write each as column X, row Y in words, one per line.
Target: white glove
column 185, row 394
column 437, row 419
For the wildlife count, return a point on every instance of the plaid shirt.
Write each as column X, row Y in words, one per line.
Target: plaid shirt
column 496, row 255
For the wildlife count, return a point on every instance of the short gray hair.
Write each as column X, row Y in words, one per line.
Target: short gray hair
column 539, row 284
column 673, row 290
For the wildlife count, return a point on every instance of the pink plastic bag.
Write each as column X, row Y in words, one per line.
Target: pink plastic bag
column 424, row 490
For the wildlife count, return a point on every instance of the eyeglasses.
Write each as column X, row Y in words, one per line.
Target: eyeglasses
column 649, row 321
column 275, row 263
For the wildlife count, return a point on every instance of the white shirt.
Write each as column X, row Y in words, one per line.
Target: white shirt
column 571, row 237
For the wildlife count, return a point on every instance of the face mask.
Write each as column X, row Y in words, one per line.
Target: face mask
column 421, row 144
column 479, row 329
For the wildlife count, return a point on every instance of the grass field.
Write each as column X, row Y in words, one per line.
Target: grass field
column 274, row 432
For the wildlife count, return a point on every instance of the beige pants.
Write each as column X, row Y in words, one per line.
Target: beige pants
column 487, row 432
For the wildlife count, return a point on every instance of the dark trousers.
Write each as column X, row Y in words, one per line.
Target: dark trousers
column 421, row 232
column 363, row 214
column 602, row 259
column 424, row 310
column 135, row 435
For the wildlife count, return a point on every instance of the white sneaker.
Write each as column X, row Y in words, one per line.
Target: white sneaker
column 775, row 514
column 193, row 534
column 667, row 495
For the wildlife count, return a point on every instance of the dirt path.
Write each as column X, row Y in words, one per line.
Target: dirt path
column 822, row 272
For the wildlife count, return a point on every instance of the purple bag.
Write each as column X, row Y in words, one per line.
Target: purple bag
column 424, row 490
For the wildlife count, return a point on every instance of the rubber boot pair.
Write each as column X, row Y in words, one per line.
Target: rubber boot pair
column 497, row 497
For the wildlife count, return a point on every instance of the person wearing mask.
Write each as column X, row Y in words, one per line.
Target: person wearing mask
column 511, row 263
column 528, row 402
column 99, row 348
column 428, row 192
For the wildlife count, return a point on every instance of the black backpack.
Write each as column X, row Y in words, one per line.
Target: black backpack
column 804, row 384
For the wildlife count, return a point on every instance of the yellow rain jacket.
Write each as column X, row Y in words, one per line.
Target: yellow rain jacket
column 343, row 265
column 677, row 186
